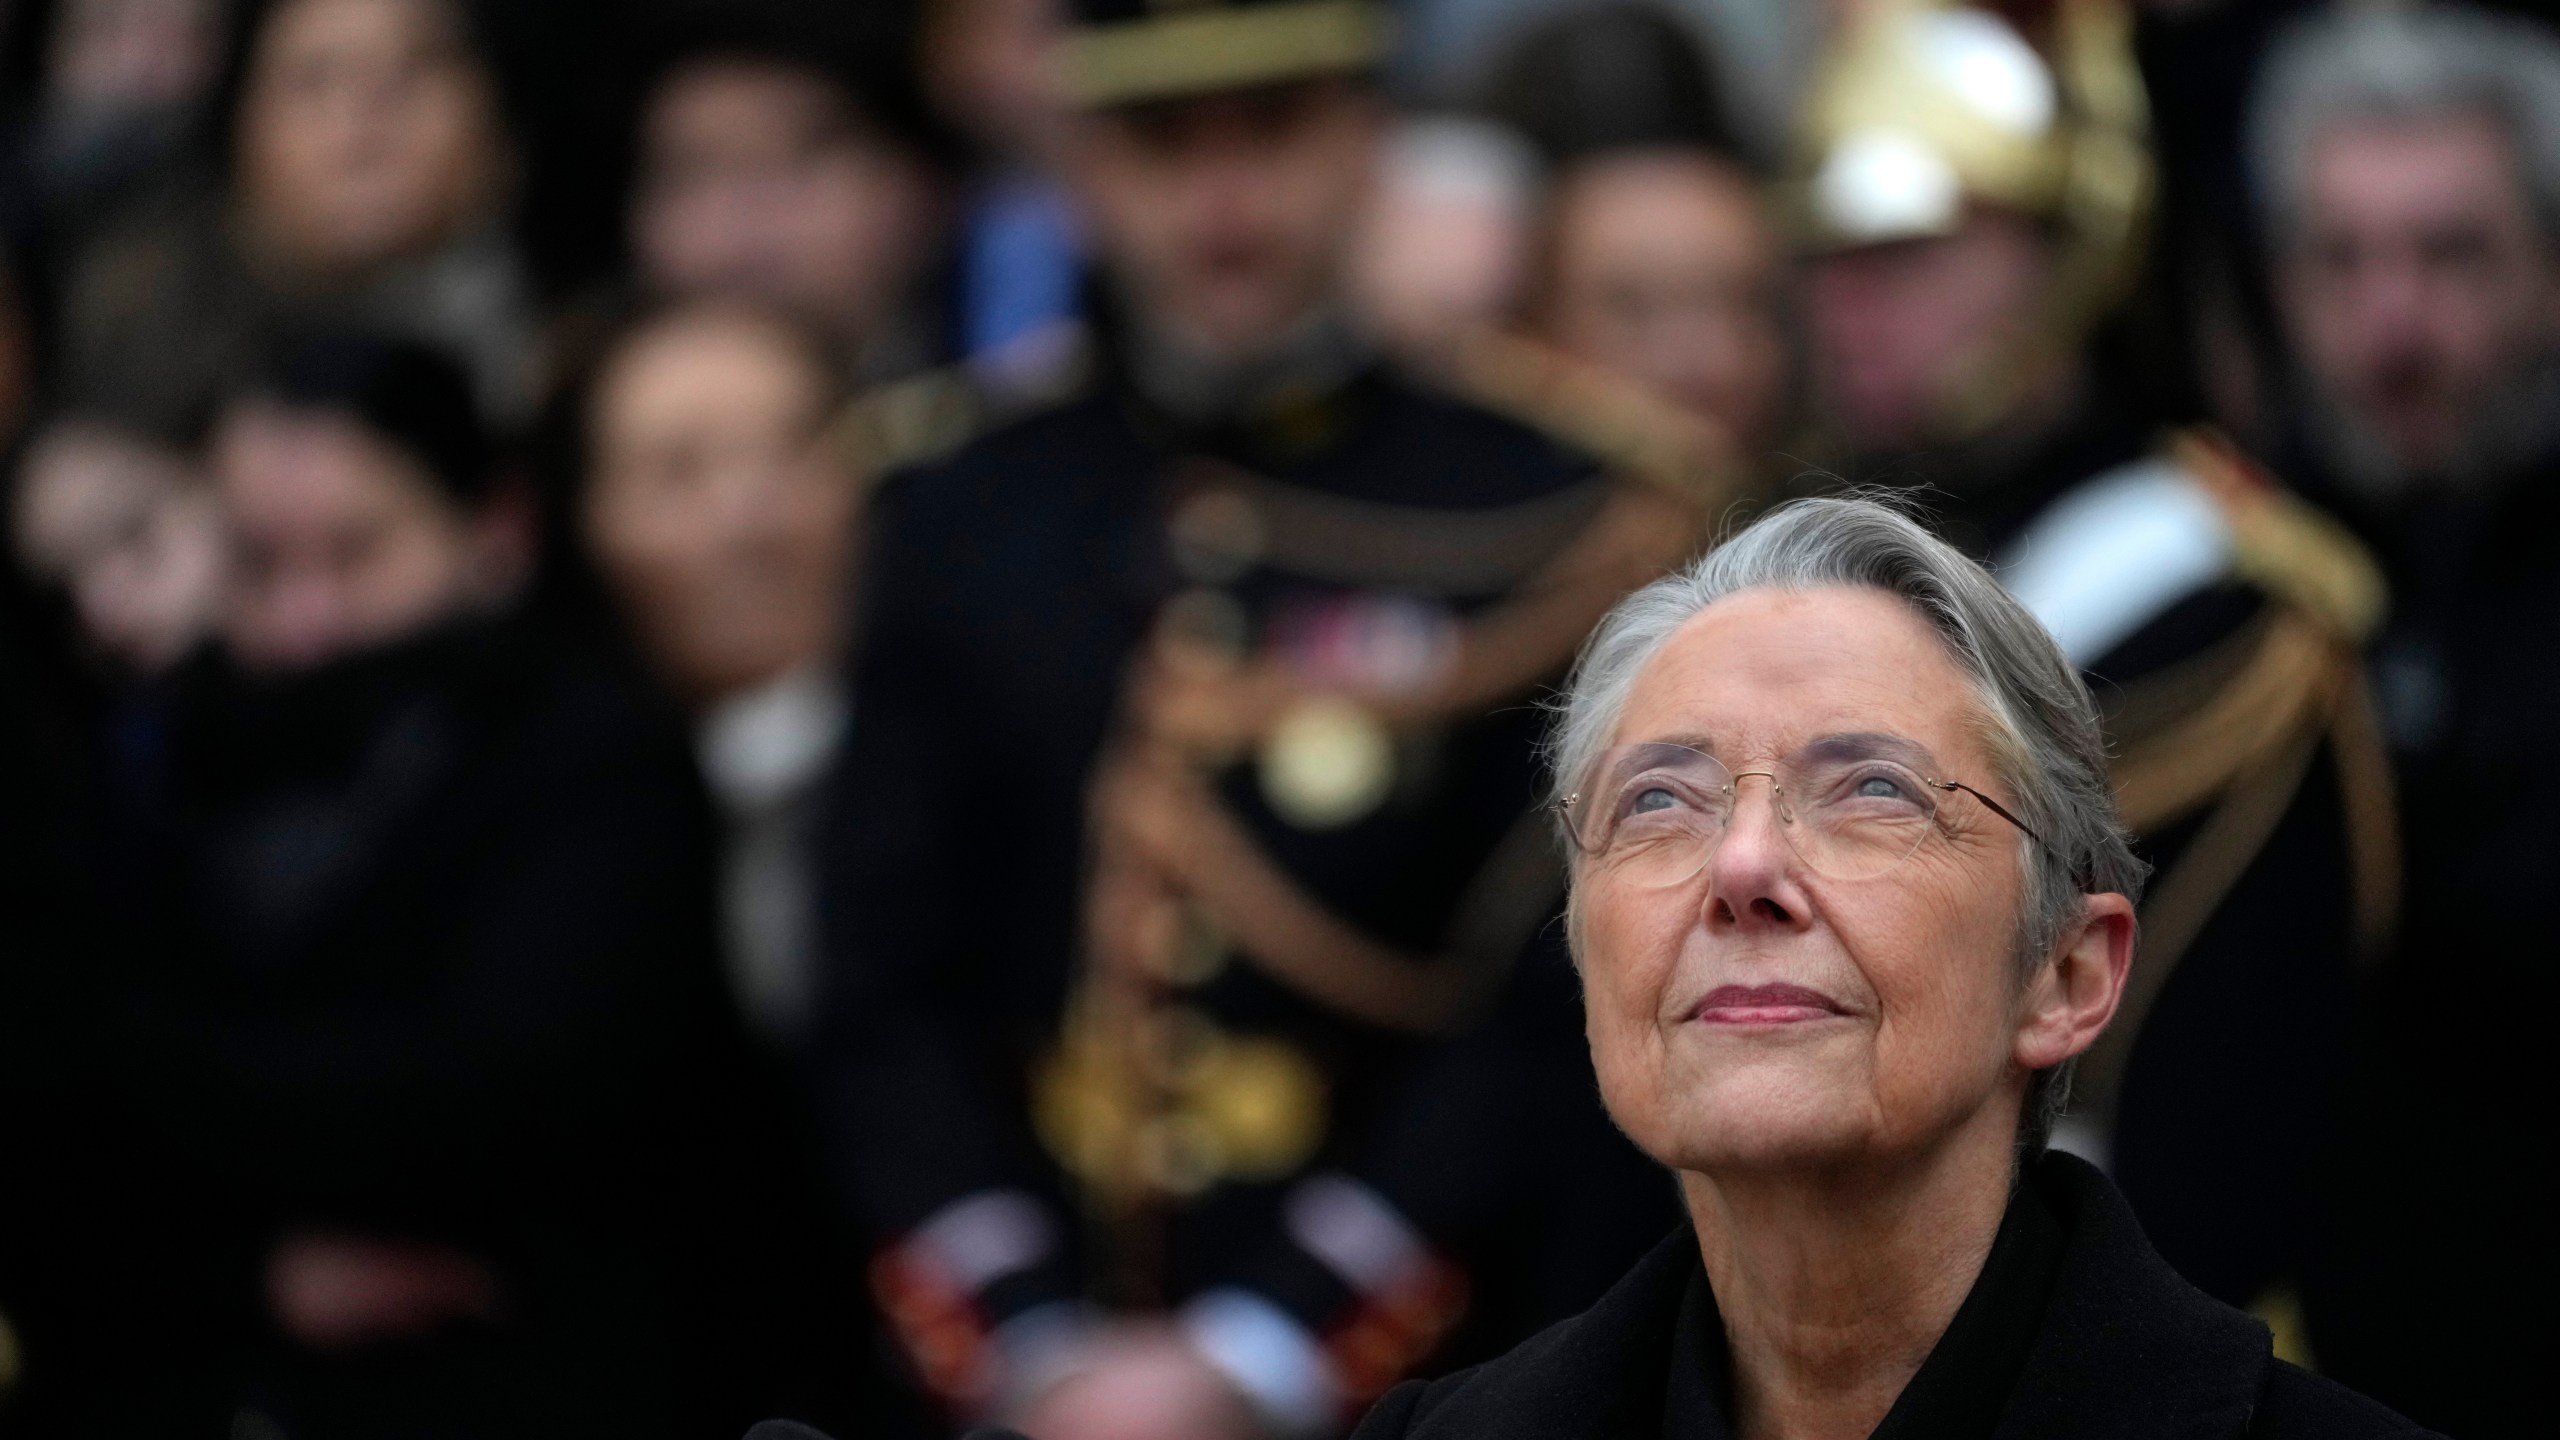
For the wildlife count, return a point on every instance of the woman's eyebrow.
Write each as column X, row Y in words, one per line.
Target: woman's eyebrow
column 1695, row 740
column 1869, row 745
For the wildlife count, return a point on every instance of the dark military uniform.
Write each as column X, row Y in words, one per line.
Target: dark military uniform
column 2436, row 1257
column 1191, row 797
column 1193, row 782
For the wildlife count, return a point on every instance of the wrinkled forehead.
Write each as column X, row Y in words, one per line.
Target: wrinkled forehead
column 1707, row 753
column 2448, row 165
column 1762, row 674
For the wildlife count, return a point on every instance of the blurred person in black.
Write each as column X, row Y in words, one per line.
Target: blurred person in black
column 1661, row 267
column 117, row 96
column 1658, row 260
column 1235, row 638
column 2409, row 169
column 1652, row 301
column 424, row 1015
column 771, row 164
column 84, row 1310
column 721, row 513
column 1971, row 200
column 363, row 175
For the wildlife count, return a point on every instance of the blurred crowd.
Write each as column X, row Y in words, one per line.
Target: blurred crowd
column 720, row 708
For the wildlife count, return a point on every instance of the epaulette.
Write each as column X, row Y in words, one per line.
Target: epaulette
column 927, row 417
column 909, row 422
column 2111, row 556
column 2222, row 742
column 1626, row 429
column 2124, row 549
column 2292, row 551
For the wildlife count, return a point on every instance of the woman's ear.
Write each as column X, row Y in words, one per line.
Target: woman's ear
column 2070, row 1000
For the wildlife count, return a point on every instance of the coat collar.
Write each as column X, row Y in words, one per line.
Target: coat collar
column 1598, row 1376
column 2128, row 1348
column 2125, row 1347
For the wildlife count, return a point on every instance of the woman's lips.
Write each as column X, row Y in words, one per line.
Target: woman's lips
column 1765, row 1005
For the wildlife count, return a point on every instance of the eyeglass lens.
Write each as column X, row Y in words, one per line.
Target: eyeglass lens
column 1652, row 815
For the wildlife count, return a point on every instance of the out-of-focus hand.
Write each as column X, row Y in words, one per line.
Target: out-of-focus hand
column 334, row 1291
column 1210, row 710
column 1140, row 1383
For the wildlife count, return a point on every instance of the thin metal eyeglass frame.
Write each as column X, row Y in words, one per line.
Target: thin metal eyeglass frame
column 1564, row 807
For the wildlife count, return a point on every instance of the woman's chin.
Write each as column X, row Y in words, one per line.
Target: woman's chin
column 1765, row 1116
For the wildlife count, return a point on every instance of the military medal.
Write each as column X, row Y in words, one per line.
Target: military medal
column 1326, row 763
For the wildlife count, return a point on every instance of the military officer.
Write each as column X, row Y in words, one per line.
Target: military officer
column 1970, row 191
column 2412, row 215
column 1190, row 788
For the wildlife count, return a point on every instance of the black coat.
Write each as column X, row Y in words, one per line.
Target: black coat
column 423, row 949
column 2124, row 1348
column 2432, row 1289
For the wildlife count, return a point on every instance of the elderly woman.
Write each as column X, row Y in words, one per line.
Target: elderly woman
column 1849, row 893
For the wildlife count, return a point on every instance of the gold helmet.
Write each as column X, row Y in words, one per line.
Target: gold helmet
column 1921, row 109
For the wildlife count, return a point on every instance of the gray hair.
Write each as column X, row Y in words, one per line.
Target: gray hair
column 2038, row 716
column 2367, row 63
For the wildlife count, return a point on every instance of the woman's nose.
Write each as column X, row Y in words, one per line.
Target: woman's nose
column 1751, row 874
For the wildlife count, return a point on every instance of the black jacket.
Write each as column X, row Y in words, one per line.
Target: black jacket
column 2432, row 1289
column 2124, row 1348
column 423, row 949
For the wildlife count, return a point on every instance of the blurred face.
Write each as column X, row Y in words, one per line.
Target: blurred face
column 339, row 543
column 130, row 530
column 1665, row 271
column 757, row 179
column 1897, row 329
column 1431, row 266
column 1226, row 217
column 721, row 520
column 368, row 132
column 1760, row 1016
column 988, row 66
column 2417, row 286
column 112, row 55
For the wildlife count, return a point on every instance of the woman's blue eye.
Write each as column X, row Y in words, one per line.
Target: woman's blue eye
column 1656, row 798
column 1879, row 787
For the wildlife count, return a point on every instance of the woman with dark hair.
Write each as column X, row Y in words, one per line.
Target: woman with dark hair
column 426, row 1018
column 1657, row 260
column 364, row 172
column 770, row 162
column 719, row 506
